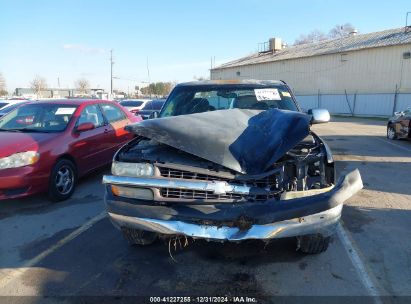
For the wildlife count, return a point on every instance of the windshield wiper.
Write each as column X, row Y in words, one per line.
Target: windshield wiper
column 10, row 130
column 26, row 130
column 34, row 130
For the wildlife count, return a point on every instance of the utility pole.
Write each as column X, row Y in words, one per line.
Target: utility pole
column 111, row 73
column 149, row 80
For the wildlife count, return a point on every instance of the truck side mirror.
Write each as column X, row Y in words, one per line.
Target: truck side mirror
column 153, row 115
column 319, row 115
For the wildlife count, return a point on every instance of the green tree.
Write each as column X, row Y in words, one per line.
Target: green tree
column 158, row 88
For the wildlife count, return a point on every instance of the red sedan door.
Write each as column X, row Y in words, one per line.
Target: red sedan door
column 117, row 120
column 91, row 148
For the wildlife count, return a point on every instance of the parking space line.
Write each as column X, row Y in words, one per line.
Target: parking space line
column 353, row 253
column 375, row 136
column 14, row 274
column 394, row 144
column 378, row 136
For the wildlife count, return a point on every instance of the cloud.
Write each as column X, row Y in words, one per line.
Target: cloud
column 83, row 49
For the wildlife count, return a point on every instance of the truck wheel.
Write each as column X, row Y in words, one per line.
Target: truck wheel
column 313, row 244
column 62, row 181
column 391, row 134
column 138, row 237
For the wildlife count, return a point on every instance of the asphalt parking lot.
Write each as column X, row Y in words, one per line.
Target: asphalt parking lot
column 71, row 248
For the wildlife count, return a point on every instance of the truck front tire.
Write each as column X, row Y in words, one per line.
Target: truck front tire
column 313, row 244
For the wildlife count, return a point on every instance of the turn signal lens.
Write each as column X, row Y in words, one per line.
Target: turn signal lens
column 137, row 193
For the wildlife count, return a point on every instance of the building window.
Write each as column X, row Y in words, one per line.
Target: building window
column 406, row 55
column 238, row 73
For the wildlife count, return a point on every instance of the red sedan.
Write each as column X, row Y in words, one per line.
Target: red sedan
column 48, row 145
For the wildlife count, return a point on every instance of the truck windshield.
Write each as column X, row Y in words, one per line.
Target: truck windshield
column 131, row 103
column 196, row 99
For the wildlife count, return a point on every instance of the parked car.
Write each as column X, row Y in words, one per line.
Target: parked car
column 151, row 107
column 8, row 102
column 134, row 105
column 228, row 161
column 48, row 145
column 399, row 126
column 10, row 107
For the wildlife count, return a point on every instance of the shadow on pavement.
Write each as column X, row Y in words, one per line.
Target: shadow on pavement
column 389, row 177
column 358, row 145
column 361, row 121
column 89, row 188
column 99, row 262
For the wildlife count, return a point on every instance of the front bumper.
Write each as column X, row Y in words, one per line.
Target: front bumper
column 312, row 214
column 322, row 223
column 20, row 182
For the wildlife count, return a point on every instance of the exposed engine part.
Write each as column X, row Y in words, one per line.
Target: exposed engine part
column 304, row 167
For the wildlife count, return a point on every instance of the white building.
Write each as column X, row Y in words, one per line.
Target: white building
column 368, row 74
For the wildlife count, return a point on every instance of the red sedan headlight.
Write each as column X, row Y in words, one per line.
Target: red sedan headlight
column 19, row 160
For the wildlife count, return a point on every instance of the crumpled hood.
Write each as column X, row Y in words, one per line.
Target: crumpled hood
column 247, row 141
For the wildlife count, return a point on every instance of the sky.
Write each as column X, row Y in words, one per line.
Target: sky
column 64, row 41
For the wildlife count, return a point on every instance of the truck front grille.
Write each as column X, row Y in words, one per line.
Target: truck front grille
column 176, row 173
column 172, row 193
column 200, row 195
column 269, row 182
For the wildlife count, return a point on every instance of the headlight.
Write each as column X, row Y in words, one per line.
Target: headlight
column 132, row 169
column 19, row 160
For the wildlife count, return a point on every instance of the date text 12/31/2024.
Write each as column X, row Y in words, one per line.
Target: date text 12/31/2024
column 223, row 299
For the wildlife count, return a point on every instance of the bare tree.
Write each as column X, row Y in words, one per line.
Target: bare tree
column 3, row 90
column 314, row 36
column 38, row 84
column 338, row 31
column 341, row 30
column 200, row 78
column 83, row 85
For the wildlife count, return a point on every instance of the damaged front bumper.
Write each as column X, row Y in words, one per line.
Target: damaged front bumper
column 307, row 212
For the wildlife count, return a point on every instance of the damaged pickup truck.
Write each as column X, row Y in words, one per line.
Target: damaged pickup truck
column 228, row 161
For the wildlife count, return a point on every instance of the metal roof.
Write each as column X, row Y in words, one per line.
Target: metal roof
column 339, row 45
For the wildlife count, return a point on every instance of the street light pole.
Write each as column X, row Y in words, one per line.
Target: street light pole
column 148, row 74
column 111, row 73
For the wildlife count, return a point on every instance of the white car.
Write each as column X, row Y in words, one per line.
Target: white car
column 11, row 106
column 134, row 105
column 3, row 103
column 8, row 102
